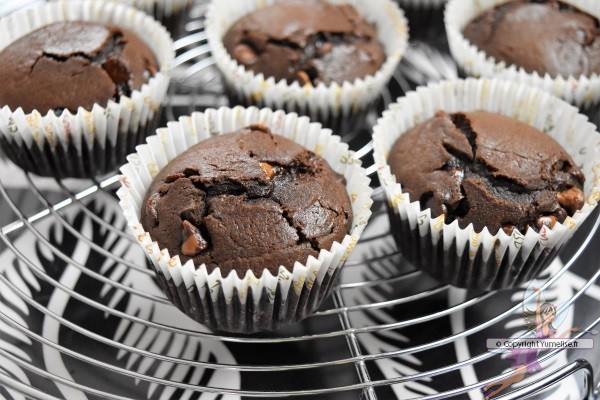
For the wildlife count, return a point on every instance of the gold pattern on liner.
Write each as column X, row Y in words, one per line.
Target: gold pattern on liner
column 337, row 99
column 570, row 223
column 438, row 223
column 319, row 149
column 351, row 246
column 32, row 121
column 243, row 292
column 299, row 284
column 152, row 169
column 162, row 135
column 397, row 199
column 311, row 280
column 88, row 119
column 475, row 242
column 258, row 95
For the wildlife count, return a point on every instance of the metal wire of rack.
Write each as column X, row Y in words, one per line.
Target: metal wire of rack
column 114, row 335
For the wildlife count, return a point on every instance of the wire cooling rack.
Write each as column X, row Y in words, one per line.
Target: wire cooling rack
column 81, row 316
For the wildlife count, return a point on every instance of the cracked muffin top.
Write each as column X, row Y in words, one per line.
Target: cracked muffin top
column 489, row 170
column 247, row 200
column 67, row 65
column 308, row 41
column 545, row 36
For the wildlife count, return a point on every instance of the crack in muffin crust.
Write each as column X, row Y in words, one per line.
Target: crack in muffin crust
column 73, row 64
column 308, row 43
column 247, row 200
column 489, row 170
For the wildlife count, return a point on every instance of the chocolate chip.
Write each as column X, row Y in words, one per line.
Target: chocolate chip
column 259, row 127
column 508, row 229
column 193, row 242
column 173, row 177
column 117, row 70
column 244, row 54
column 151, row 205
column 303, row 78
column 324, row 49
column 571, row 199
column 268, row 170
column 545, row 220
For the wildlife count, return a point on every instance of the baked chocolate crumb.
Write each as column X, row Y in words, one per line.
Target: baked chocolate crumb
column 67, row 65
column 489, row 170
column 544, row 36
column 247, row 200
column 308, row 41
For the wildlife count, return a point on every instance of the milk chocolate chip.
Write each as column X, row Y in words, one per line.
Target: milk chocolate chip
column 193, row 242
column 268, row 170
column 302, row 77
column 545, row 220
column 244, row 54
column 571, row 200
column 151, row 205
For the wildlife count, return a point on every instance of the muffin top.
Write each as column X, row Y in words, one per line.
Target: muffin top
column 539, row 36
column 489, row 170
column 247, row 200
column 309, row 41
column 67, row 65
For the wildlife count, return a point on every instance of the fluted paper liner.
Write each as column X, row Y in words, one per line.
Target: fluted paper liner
column 464, row 257
column 341, row 107
column 171, row 13
column 582, row 91
column 251, row 303
column 89, row 142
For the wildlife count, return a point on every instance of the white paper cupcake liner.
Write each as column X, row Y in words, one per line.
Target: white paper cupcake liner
column 170, row 13
column 252, row 303
column 464, row 257
column 90, row 142
column 583, row 91
column 343, row 107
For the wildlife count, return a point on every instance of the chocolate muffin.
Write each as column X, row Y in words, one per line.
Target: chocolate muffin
column 489, row 170
column 73, row 64
column 309, row 41
column 539, row 36
column 247, row 200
